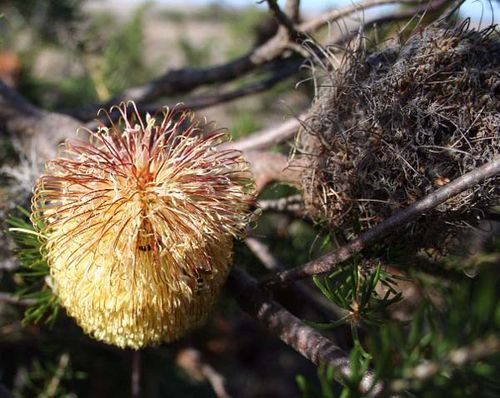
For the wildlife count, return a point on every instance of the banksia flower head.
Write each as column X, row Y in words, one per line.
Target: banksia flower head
column 139, row 223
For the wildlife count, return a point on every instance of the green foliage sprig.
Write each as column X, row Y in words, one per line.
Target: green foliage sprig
column 35, row 273
column 353, row 287
column 450, row 347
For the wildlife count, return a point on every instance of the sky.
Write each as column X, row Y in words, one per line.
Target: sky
column 471, row 8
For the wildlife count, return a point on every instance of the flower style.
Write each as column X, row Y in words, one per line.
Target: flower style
column 139, row 224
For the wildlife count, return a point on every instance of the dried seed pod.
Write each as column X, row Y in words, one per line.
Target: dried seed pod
column 389, row 127
column 139, row 224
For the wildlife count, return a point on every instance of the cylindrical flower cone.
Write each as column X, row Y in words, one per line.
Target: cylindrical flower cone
column 139, row 224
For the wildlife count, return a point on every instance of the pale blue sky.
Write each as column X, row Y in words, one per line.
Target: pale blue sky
column 472, row 8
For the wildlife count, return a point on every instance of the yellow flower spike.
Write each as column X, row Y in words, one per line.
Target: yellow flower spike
column 139, row 224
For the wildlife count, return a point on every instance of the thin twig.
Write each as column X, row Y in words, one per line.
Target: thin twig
column 334, row 15
column 402, row 15
column 192, row 362
column 281, row 204
column 263, row 253
column 12, row 299
column 292, row 331
column 327, row 262
column 55, row 381
column 311, row 297
column 454, row 359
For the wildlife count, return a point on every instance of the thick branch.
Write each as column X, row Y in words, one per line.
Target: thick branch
column 287, row 68
column 32, row 126
column 282, row 18
column 327, row 262
column 292, row 331
column 44, row 131
column 180, row 81
column 175, row 82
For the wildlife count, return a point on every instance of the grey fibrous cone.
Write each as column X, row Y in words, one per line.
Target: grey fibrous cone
column 388, row 127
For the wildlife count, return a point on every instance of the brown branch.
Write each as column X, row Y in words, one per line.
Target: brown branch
column 270, row 136
column 175, row 82
column 180, row 81
column 283, row 19
column 14, row 106
column 183, row 80
column 286, row 70
column 327, row 262
column 292, row 331
column 32, row 126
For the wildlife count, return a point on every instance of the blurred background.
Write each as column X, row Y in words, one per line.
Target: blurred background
column 62, row 55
